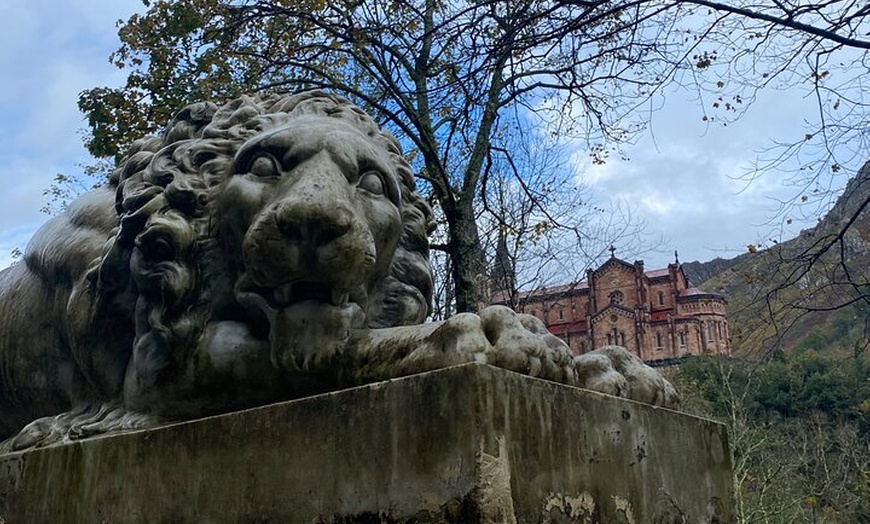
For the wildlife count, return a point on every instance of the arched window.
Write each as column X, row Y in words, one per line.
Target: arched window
column 661, row 298
column 613, row 337
column 658, row 340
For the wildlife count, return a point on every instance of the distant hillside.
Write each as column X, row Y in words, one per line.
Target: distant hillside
column 698, row 272
column 789, row 297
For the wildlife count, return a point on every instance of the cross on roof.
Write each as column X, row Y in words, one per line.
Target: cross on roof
column 612, row 251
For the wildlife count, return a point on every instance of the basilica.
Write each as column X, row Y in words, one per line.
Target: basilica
column 656, row 313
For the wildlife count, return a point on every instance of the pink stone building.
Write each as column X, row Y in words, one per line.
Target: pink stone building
column 655, row 314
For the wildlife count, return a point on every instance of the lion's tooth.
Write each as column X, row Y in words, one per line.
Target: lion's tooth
column 339, row 298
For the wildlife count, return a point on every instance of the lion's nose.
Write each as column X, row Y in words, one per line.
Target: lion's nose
column 313, row 223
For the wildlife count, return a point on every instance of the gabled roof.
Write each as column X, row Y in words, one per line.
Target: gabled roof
column 583, row 286
column 613, row 308
column 661, row 272
column 694, row 293
column 579, row 287
column 613, row 261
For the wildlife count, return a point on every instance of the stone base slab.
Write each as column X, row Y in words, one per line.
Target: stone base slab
column 468, row 444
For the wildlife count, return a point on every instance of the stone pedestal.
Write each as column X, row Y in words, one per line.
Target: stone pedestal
column 466, row 444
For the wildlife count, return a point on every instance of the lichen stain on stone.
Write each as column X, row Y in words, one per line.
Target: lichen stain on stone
column 623, row 506
column 640, row 452
column 580, row 507
column 494, row 486
column 668, row 510
column 717, row 447
column 11, row 471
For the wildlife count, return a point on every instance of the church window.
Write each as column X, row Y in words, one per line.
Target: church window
column 622, row 339
column 709, row 331
column 614, row 336
column 658, row 340
column 661, row 298
column 560, row 314
column 616, row 297
column 682, row 339
column 609, row 339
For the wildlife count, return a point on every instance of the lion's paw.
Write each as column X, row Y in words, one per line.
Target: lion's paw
column 501, row 337
column 78, row 424
column 615, row 371
column 522, row 343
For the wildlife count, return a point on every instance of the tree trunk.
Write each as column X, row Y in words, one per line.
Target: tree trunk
column 469, row 262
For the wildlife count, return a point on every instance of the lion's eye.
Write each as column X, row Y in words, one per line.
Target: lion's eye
column 372, row 182
column 264, row 166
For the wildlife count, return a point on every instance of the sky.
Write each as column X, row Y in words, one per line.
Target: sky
column 686, row 179
column 50, row 51
column 680, row 179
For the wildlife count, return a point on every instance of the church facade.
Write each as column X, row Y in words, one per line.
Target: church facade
column 656, row 314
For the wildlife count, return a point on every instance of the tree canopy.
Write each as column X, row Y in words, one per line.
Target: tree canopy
column 798, row 432
column 461, row 83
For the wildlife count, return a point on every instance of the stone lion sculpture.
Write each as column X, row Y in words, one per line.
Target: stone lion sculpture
column 268, row 249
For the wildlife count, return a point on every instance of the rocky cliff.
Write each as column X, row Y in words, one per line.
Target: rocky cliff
column 805, row 293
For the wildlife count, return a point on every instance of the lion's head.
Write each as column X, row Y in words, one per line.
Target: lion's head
column 248, row 251
column 253, row 237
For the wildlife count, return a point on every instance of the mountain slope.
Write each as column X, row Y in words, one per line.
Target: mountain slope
column 812, row 291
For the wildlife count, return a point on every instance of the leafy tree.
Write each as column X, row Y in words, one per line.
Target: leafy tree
column 798, row 433
column 459, row 81
column 542, row 230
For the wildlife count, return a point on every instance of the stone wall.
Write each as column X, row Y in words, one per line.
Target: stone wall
column 466, row 444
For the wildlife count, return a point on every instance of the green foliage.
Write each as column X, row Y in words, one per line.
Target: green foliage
column 841, row 331
column 65, row 188
column 173, row 58
column 799, row 432
column 796, row 386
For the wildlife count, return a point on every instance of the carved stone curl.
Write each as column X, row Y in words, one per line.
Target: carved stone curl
column 268, row 249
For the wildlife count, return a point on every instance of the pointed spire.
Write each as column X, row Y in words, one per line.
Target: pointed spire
column 503, row 272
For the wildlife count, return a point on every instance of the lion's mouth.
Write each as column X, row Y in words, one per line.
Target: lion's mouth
column 307, row 323
column 297, row 296
column 294, row 292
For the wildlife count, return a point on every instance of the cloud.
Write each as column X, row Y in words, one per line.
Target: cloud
column 53, row 49
column 687, row 179
column 658, row 203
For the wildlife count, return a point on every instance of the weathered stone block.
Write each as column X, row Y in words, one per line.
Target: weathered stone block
column 465, row 444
